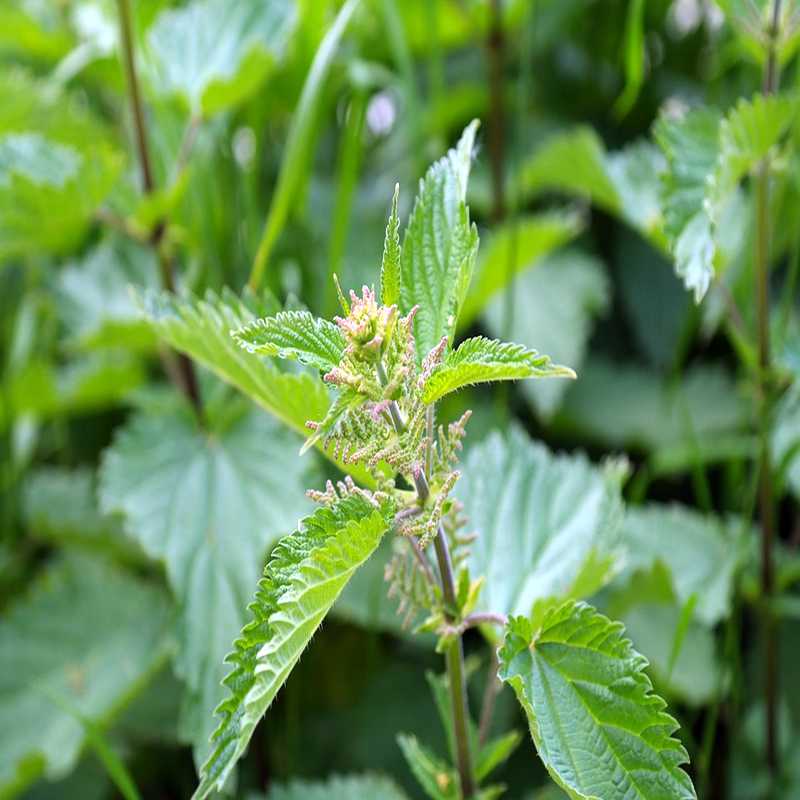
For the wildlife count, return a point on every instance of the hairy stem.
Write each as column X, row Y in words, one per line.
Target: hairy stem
column 185, row 368
column 765, row 490
column 454, row 656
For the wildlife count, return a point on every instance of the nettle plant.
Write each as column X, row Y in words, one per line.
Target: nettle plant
column 389, row 357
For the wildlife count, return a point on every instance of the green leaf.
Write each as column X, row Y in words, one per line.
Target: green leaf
column 201, row 329
column 482, row 360
column 390, row 264
column 208, row 504
column 355, row 787
column 60, row 506
column 747, row 134
column 596, row 724
column 439, row 247
column 294, row 335
column 85, row 636
column 624, row 183
column 56, row 167
column 700, row 418
column 94, row 297
column 549, row 528
column 215, row 53
column 553, row 307
column 634, row 58
column 687, row 670
column 305, row 574
column 513, row 248
column 701, row 552
column 690, row 145
column 437, row 778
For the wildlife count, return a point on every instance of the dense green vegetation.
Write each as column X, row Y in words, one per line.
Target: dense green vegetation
column 575, row 226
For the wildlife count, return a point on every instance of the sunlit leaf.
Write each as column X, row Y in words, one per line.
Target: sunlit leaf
column 481, row 360
column 596, row 724
column 439, row 247
column 305, row 574
column 294, row 335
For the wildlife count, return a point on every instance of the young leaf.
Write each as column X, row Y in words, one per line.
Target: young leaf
column 549, row 528
column 390, row 265
column 355, row 787
column 553, row 307
column 294, row 335
column 690, row 146
column 201, row 329
column 216, row 52
column 439, row 247
column 305, row 574
column 207, row 503
column 85, row 637
column 596, row 724
column 482, row 360
column 438, row 780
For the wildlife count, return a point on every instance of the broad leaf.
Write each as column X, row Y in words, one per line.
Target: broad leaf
column 56, row 166
column 294, row 335
column 681, row 650
column 390, row 263
column 214, row 53
column 305, row 574
column 439, row 247
column 596, row 724
column 624, row 183
column 95, row 300
column 513, row 248
column 360, row 787
column 690, row 147
column 553, row 307
column 482, row 360
column 701, row 418
column 548, row 525
column 201, row 329
column 702, row 554
column 83, row 640
column 207, row 504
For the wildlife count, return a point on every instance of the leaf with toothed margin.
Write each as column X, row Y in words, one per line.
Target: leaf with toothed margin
column 439, row 247
column 482, row 360
column 339, row 787
column 294, row 335
column 390, row 264
column 597, row 726
column 306, row 573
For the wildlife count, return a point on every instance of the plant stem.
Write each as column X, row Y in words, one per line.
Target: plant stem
column 765, row 491
column 454, row 656
column 188, row 379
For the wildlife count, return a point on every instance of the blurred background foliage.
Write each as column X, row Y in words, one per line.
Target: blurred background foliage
column 130, row 543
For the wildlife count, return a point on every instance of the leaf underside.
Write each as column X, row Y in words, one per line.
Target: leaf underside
column 596, row 724
column 481, row 360
column 305, row 574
